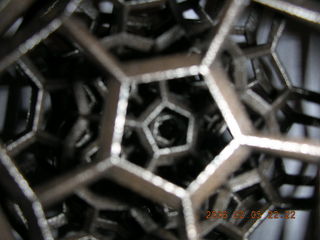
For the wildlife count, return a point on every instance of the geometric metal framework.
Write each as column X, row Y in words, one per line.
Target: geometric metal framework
column 132, row 119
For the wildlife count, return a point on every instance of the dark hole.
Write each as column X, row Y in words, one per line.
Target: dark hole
column 167, row 129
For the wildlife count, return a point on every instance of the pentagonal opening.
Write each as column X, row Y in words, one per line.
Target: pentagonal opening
column 259, row 87
column 74, row 87
column 169, row 128
column 180, row 131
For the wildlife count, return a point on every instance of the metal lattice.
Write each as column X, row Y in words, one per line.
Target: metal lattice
column 132, row 119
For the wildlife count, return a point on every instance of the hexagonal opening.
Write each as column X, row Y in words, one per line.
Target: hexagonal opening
column 17, row 101
column 126, row 209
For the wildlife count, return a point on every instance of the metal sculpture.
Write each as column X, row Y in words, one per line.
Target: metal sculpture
column 132, row 119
